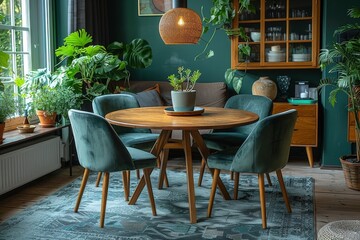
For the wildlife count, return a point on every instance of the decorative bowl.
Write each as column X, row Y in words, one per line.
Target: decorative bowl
column 26, row 128
column 255, row 36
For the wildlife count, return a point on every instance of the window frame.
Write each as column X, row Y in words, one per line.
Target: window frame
column 40, row 18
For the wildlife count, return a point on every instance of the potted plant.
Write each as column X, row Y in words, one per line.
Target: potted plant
column 7, row 108
column 184, row 95
column 37, row 87
column 90, row 68
column 343, row 58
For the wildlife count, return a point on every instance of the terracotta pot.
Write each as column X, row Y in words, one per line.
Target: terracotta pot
column 2, row 126
column 265, row 87
column 46, row 120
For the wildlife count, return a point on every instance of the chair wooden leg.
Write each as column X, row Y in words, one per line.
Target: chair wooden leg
column 231, row 175
column 202, row 170
column 82, row 188
column 98, row 179
column 125, row 177
column 104, row 198
column 268, row 179
column 147, row 172
column 236, row 184
column 213, row 191
column 262, row 199
column 137, row 173
column 283, row 190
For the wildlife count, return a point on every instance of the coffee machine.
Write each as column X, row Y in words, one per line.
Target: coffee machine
column 302, row 89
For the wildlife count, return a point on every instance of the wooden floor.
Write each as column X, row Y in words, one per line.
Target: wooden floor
column 334, row 201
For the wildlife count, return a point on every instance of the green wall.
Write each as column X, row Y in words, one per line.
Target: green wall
column 335, row 118
column 127, row 25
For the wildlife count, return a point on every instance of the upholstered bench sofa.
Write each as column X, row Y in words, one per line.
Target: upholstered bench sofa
column 157, row 93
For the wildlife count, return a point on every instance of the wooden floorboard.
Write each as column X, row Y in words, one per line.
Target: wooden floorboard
column 333, row 200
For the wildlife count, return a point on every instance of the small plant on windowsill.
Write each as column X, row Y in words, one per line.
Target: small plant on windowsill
column 184, row 95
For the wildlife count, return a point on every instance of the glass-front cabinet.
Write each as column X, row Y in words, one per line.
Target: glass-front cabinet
column 283, row 34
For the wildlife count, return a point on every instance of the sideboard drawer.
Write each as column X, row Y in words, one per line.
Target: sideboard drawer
column 306, row 126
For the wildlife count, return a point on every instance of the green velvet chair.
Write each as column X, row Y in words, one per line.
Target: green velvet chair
column 265, row 150
column 131, row 137
column 100, row 149
column 221, row 139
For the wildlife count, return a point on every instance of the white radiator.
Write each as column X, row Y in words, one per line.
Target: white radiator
column 26, row 164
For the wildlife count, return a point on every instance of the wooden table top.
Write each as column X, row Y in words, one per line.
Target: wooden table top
column 156, row 118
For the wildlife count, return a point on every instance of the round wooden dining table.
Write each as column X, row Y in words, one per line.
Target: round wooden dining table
column 167, row 121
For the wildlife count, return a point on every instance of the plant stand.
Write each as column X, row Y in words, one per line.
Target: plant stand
column 351, row 172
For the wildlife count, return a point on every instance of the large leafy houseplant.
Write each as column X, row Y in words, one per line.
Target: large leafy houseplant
column 90, row 68
column 343, row 58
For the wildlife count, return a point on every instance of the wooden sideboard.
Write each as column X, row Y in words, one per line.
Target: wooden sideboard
column 306, row 126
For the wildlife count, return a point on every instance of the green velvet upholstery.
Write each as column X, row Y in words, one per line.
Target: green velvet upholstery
column 131, row 137
column 265, row 150
column 220, row 139
column 100, row 149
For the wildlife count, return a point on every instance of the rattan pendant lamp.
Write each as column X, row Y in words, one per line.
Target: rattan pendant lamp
column 180, row 25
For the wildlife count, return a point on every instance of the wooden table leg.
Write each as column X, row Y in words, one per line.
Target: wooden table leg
column 204, row 151
column 158, row 146
column 190, row 176
column 310, row 156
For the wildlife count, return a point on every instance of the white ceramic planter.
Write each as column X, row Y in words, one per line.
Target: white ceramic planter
column 183, row 101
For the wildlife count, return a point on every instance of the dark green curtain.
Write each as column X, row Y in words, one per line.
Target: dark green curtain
column 92, row 15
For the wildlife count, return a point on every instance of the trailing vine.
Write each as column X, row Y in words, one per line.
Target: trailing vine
column 222, row 14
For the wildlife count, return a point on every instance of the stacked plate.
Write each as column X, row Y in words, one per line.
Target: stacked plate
column 275, row 56
column 300, row 57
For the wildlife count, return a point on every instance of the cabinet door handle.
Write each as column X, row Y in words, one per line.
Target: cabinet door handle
column 295, row 129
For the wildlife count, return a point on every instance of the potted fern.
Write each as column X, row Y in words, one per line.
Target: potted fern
column 7, row 108
column 343, row 58
column 184, row 95
column 7, row 103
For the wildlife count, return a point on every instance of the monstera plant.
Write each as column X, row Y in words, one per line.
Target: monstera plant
column 90, row 68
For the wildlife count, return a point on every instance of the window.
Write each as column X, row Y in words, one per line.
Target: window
column 26, row 35
column 15, row 38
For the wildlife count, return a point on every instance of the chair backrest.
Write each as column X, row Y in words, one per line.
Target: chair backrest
column 98, row 146
column 267, row 147
column 105, row 104
column 260, row 105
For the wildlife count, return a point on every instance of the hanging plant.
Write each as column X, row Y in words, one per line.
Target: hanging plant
column 222, row 14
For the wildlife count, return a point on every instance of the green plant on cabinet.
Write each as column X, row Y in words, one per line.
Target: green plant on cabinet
column 221, row 17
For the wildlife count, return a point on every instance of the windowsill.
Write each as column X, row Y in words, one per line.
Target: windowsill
column 13, row 137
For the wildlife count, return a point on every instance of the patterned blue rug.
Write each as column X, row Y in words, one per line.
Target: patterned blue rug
column 53, row 217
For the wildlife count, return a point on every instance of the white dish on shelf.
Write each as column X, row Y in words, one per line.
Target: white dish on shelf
column 255, row 36
column 275, row 56
column 300, row 57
